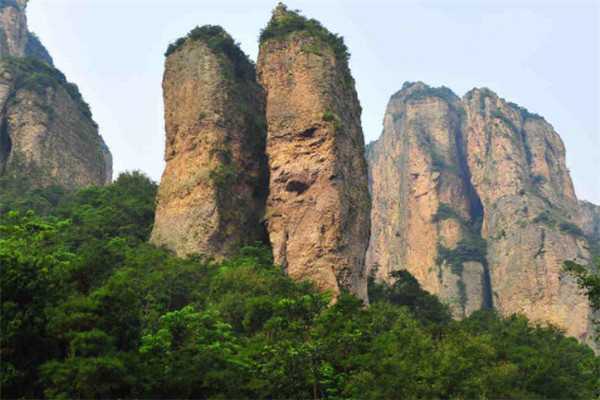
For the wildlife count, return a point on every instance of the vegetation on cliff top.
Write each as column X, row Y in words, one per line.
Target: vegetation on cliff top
column 36, row 75
column 91, row 310
column 35, row 48
column 219, row 42
column 285, row 22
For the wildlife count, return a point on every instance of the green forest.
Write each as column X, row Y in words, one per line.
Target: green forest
column 90, row 309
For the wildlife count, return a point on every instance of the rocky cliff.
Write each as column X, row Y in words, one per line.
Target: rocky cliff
column 589, row 219
column 318, row 208
column 424, row 212
column 481, row 184
column 15, row 38
column 47, row 133
column 213, row 190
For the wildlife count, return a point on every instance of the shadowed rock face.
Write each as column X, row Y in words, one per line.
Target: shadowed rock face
column 214, row 186
column 47, row 133
column 589, row 219
column 318, row 208
column 453, row 181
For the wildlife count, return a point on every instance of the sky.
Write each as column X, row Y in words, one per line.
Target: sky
column 542, row 55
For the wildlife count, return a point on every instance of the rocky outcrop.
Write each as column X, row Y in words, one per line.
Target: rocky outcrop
column 518, row 169
column 13, row 28
column 214, row 186
column 15, row 38
column 480, row 183
column 424, row 211
column 47, row 133
column 589, row 219
column 318, row 208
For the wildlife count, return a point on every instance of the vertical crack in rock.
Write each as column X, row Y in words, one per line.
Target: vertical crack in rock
column 483, row 195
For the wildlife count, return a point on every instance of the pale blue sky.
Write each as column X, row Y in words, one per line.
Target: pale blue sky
column 542, row 55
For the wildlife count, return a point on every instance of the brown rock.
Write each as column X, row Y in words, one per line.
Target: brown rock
column 479, row 185
column 213, row 190
column 517, row 164
column 318, row 207
column 13, row 28
column 421, row 200
column 47, row 132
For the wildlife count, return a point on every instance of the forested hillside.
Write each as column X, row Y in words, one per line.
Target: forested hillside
column 91, row 310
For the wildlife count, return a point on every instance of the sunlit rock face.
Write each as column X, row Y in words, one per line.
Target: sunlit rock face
column 213, row 190
column 318, row 208
column 473, row 197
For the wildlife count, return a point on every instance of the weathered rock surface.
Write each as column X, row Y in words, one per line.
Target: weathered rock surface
column 318, row 207
column 499, row 208
column 422, row 203
column 47, row 133
column 213, row 190
column 589, row 219
column 15, row 38
column 517, row 164
column 13, row 28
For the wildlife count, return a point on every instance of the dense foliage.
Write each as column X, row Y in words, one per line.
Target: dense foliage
column 91, row 310
column 220, row 42
column 290, row 21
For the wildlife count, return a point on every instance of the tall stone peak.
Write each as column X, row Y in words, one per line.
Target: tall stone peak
column 213, row 190
column 15, row 39
column 317, row 213
column 424, row 212
column 47, row 134
column 473, row 197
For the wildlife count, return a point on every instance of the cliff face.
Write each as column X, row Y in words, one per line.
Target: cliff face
column 423, row 208
column 518, row 169
column 318, row 207
column 47, row 133
column 13, row 28
column 501, row 199
column 589, row 219
column 15, row 38
column 213, row 190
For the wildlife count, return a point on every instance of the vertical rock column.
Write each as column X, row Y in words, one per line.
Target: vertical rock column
column 421, row 218
column 517, row 164
column 214, row 186
column 318, row 207
column 13, row 28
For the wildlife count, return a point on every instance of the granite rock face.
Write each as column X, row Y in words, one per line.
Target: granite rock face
column 589, row 219
column 213, row 190
column 47, row 133
column 13, row 28
column 318, row 208
column 479, row 185
column 15, row 38
column 518, row 169
column 423, row 207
